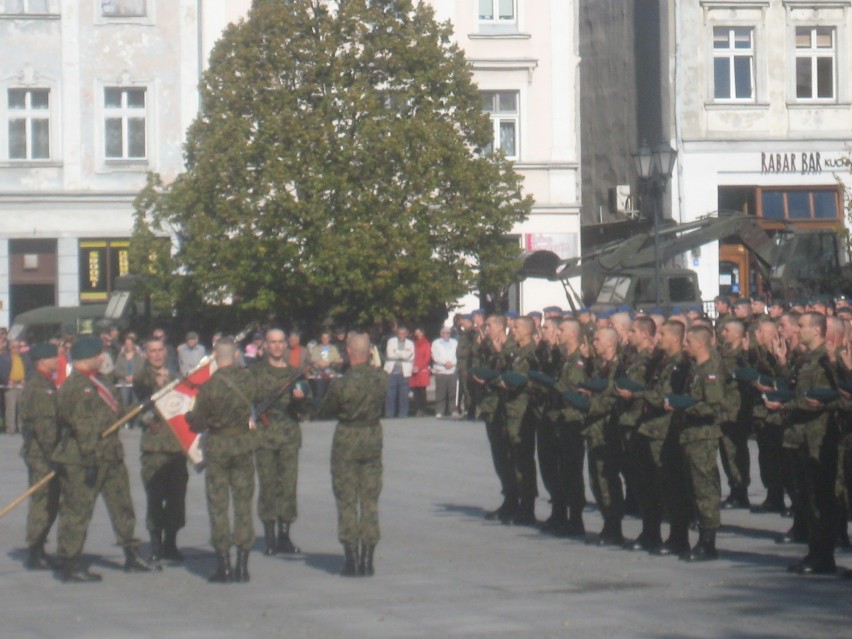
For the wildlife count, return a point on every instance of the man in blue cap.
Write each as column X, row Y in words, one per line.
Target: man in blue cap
column 92, row 465
column 40, row 430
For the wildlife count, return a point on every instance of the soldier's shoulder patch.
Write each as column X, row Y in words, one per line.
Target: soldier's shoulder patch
column 87, row 390
column 711, row 377
column 581, row 363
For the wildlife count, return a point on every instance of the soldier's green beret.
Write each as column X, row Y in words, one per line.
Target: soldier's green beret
column 595, row 384
column 44, row 350
column 485, row 374
column 86, row 348
column 745, row 374
column 513, row 380
column 823, row 395
column 781, row 395
column 628, row 384
column 542, row 378
column 578, row 401
column 680, row 402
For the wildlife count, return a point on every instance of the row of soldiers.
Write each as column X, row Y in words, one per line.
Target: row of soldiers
column 653, row 400
column 250, row 420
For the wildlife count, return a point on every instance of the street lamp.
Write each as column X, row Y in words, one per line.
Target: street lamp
column 654, row 169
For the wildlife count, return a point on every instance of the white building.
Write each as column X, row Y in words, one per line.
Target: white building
column 96, row 93
column 762, row 108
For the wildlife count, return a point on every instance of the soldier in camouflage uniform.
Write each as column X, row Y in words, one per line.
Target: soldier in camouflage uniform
column 223, row 409
column 464, row 352
column 41, row 433
column 699, row 438
column 603, row 443
column 541, row 404
column 491, row 355
column 768, row 424
column 279, row 438
column 91, row 465
column 356, row 401
column 519, row 427
column 812, row 426
column 569, row 490
column 642, row 336
column 164, row 472
column 736, row 426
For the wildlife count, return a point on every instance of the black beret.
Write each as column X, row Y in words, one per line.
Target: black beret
column 86, row 347
column 43, row 350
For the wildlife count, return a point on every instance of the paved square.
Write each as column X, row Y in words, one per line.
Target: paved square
column 441, row 569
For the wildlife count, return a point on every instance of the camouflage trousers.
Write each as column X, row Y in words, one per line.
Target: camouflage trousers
column 356, row 477
column 661, row 481
column 606, row 458
column 735, row 454
column 78, row 503
column 700, row 456
column 165, row 477
column 520, row 433
column 277, row 476
column 498, row 442
column 44, row 503
column 230, row 477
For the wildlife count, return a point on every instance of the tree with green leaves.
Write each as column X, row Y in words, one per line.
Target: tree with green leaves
column 335, row 171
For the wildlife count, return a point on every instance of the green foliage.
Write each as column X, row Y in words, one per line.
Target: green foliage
column 333, row 170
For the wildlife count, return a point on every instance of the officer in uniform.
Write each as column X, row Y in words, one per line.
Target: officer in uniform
column 699, row 438
column 91, row 465
column 223, row 409
column 279, row 438
column 548, row 355
column 736, row 425
column 813, row 427
column 164, row 472
column 356, row 401
column 464, row 352
column 38, row 422
column 519, row 426
column 491, row 356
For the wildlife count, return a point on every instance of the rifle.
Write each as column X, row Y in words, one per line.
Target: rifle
column 266, row 403
column 122, row 421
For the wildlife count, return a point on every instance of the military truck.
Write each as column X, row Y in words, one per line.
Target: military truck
column 792, row 262
column 43, row 323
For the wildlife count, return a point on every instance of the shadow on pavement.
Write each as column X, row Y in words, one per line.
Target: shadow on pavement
column 457, row 509
column 324, row 562
column 752, row 533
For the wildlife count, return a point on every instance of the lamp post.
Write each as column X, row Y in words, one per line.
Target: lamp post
column 654, row 169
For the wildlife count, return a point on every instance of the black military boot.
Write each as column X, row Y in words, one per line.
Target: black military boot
column 557, row 521
column 350, row 560
column 37, row 560
column 75, row 573
column 737, row 499
column 170, row 549
column 134, row 563
column 491, row 515
column 223, row 572
column 508, row 514
column 285, row 546
column 705, row 549
column 269, row 536
column 574, row 527
column 774, row 502
column 525, row 515
column 796, row 535
column 241, row 574
column 677, row 543
column 156, row 546
column 365, row 566
column 610, row 535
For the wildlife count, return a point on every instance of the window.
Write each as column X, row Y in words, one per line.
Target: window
column 127, row 8
column 815, row 53
column 502, row 106
column 21, row 7
column 497, row 11
column 124, row 123
column 800, row 205
column 29, row 124
column 733, row 63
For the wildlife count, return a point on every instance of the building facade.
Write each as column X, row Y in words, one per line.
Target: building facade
column 94, row 94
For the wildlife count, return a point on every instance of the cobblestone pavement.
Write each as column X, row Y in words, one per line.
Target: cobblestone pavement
column 441, row 569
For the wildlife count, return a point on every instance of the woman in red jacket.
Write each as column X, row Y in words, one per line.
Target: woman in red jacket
column 420, row 373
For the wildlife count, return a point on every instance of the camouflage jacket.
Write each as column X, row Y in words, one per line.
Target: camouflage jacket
column 702, row 420
column 38, row 419
column 816, row 371
column 600, row 415
column 549, row 360
column 486, row 356
column 671, row 377
column 279, row 425
column 630, row 410
column 224, row 412
column 571, row 374
column 83, row 415
column 157, row 437
column 764, row 363
column 357, row 398
column 736, row 393
column 521, row 359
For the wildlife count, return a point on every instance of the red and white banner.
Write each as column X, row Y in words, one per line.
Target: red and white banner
column 174, row 406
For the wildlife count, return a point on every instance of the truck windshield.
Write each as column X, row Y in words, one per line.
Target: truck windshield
column 614, row 290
